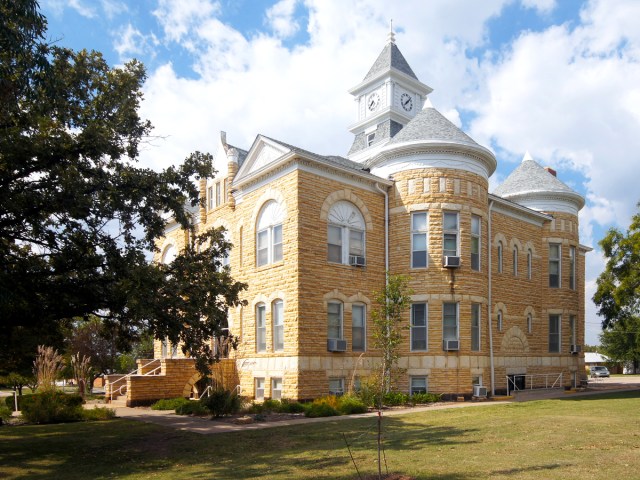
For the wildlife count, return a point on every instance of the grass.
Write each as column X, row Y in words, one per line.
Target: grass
column 576, row 437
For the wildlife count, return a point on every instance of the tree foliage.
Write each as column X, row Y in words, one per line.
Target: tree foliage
column 78, row 216
column 621, row 341
column 391, row 303
column 618, row 292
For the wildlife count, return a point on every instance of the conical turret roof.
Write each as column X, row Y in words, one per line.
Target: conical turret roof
column 530, row 183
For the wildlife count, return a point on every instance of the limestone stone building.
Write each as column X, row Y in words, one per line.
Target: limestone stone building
column 497, row 278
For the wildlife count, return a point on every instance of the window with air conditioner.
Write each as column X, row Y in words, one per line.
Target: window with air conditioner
column 334, row 321
column 450, row 325
column 450, row 229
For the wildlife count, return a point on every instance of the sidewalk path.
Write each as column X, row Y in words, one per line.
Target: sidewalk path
column 205, row 426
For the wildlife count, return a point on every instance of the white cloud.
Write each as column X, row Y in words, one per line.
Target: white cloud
column 280, row 17
column 130, row 42
column 543, row 6
column 113, row 8
column 180, row 17
column 58, row 7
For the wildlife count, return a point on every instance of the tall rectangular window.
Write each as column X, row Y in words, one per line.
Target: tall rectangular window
column 218, row 194
column 555, row 252
column 277, row 316
column 572, row 268
column 261, row 328
column 475, row 243
column 210, row 197
column 276, row 388
column 259, row 388
column 529, row 264
column 450, row 234
column 554, row 333
column 499, row 257
column 334, row 243
column 419, row 240
column 277, row 243
column 263, row 247
column 449, row 321
column 419, row 326
column 334, row 320
column 358, row 331
column 515, row 260
column 475, row 327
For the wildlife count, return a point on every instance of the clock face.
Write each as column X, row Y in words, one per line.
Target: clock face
column 406, row 101
column 373, row 101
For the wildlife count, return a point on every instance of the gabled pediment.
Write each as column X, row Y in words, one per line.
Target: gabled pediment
column 263, row 152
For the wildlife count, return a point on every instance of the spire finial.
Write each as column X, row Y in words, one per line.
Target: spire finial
column 391, row 37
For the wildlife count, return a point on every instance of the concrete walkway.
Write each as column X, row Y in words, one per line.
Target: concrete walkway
column 205, row 426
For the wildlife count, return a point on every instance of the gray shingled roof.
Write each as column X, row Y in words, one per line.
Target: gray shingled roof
column 242, row 154
column 430, row 124
column 390, row 57
column 531, row 177
column 341, row 161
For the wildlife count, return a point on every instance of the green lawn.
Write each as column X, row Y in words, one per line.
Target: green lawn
column 571, row 438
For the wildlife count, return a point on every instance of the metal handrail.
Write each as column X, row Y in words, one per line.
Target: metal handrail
column 207, row 391
column 133, row 372
column 557, row 383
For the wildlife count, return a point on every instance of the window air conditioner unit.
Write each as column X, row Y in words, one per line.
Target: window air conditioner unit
column 479, row 391
column 336, row 345
column 451, row 262
column 357, row 261
column 576, row 348
column 450, row 345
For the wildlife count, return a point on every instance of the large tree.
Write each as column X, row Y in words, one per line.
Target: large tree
column 618, row 293
column 78, row 216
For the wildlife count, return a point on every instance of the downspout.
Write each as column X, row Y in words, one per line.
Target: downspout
column 386, row 232
column 493, row 372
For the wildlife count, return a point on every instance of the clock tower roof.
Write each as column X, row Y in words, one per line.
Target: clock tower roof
column 390, row 58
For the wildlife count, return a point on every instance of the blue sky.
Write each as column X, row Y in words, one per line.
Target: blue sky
column 557, row 78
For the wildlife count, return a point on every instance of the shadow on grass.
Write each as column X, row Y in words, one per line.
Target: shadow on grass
column 531, row 468
column 625, row 395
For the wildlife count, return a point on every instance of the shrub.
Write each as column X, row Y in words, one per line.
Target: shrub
column 393, row 399
column 169, row 403
column 98, row 413
column 5, row 414
column 289, row 406
column 191, row 408
column 221, row 402
column 314, row 410
column 10, row 402
column 52, row 407
column 270, row 405
column 350, row 404
column 424, row 398
column 255, row 408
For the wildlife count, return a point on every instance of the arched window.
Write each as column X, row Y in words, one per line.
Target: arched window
column 269, row 234
column 529, row 323
column 499, row 257
column 515, row 260
column 169, row 254
column 225, row 260
column 277, row 320
column 358, row 327
column 345, row 235
column 334, row 320
column 529, row 264
column 499, row 322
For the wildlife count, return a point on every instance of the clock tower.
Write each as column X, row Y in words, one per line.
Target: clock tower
column 387, row 99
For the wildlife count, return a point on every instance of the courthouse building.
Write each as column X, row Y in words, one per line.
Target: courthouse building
column 497, row 279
